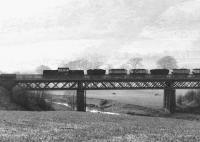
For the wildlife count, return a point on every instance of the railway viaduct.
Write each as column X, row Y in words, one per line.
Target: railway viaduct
column 168, row 83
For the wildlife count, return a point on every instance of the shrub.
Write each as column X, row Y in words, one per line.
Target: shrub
column 30, row 100
column 197, row 97
column 190, row 96
column 179, row 100
column 103, row 103
column 71, row 101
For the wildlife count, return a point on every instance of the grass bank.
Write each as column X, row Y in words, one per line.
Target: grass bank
column 76, row 126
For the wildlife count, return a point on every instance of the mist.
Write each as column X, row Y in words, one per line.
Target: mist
column 56, row 31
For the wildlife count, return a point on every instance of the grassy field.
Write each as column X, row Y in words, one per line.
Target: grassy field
column 75, row 126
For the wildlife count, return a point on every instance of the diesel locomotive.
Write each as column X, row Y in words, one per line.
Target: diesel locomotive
column 62, row 72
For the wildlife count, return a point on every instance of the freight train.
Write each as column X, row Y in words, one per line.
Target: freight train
column 66, row 72
column 62, row 73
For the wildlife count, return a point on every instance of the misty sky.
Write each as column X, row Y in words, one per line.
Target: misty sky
column 35, row 32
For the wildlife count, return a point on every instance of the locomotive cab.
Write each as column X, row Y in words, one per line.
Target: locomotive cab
column 63, row 69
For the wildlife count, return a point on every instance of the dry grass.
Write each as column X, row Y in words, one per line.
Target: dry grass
column 75, row 126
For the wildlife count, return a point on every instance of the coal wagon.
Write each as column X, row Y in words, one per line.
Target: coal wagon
column 159, row 72
column 76, row 73
column 180, row 71
column 117, row 72
column 96, row 72
column 138, row 72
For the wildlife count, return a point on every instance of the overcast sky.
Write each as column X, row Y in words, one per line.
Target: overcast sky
column 35, row 32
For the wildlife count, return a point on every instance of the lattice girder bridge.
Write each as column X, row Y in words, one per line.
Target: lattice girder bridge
column 169, row 84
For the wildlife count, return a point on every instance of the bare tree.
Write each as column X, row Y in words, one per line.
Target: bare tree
column 125, row 66
column 40, row 69
column 167, row 62
column 96, row 60
column 79, row 64
column 108, row 66
column 84, row 64
column 96, row 64
column 135, row 62
column 16, row 72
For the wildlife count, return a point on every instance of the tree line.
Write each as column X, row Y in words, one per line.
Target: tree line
column 167, row 62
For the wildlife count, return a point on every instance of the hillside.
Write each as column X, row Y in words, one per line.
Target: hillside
column 75, row 126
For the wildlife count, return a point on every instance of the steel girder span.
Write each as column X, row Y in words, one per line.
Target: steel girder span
column 169, row 87
column 88, row 85
column 47, row 85
column 104, row 85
